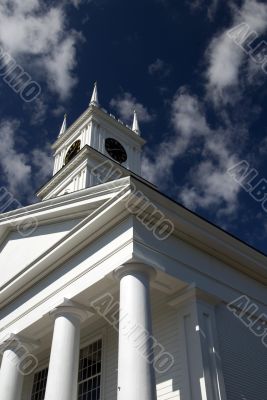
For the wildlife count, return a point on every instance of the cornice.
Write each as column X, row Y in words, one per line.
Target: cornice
column 93, row 196
column 69, row 205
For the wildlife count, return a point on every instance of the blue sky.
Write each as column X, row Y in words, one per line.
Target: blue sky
column 200, row 97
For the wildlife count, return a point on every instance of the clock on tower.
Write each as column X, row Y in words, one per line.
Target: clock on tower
column 95, row 137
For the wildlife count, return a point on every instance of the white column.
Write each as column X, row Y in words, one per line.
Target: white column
column 17, row 361
column 64, row 359
column 136, row 378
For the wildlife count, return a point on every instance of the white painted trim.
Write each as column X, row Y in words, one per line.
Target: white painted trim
column 204, row 374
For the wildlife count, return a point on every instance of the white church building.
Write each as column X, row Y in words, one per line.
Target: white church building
column 110, row 290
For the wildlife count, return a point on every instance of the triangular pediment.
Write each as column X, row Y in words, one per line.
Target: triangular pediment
column 63, row 223
column 19, row 250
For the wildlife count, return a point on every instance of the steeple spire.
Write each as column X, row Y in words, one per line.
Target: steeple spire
column 64, row 126
column 94, row 98
column 135, row 126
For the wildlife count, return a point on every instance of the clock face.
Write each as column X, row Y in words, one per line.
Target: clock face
column 115, row 150
column 73, row 150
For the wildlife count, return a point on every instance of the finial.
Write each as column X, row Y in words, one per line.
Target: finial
column 94, row 98
column 64, row 126
column 135, row 126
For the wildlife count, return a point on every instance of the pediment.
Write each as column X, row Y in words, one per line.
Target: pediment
column 64, row 223
column 17, row 251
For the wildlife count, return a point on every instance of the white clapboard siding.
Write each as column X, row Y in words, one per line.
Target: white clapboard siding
column 166, row 331
column 244, row 358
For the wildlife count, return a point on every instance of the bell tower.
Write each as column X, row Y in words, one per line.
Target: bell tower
column 96, row 138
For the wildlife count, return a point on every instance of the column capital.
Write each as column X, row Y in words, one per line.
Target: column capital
column 132, row 268
column 13, row 342
column 69, row 307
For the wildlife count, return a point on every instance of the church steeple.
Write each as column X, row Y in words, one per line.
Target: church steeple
column 94, row 98
column 86, row 150
column 64, row 126
column 135, row 126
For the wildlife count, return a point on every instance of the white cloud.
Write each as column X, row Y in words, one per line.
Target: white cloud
column 21, row 172
column 126, row 104
column 32, row 31
column 13, row 163
column 225, row 58
column 212, row 188
column 187, row 115
column 60, row 65
column 226, row 61
column 159, row 67
column 37, row 109
column 188, row 123
column 253, row 13
column 208, row 183
column 43, row 162
column 228, row 73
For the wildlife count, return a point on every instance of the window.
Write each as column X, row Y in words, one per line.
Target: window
column 90, row 372
column 89, row 378
column 39, row 384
